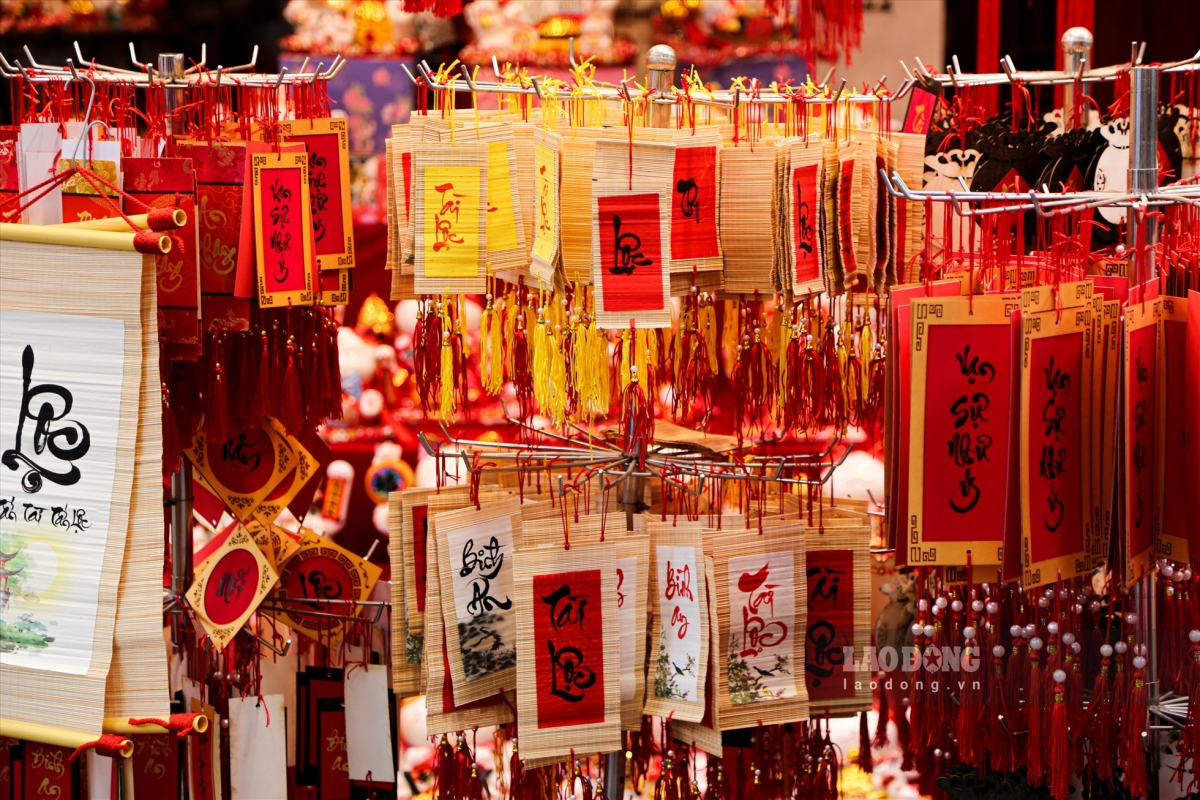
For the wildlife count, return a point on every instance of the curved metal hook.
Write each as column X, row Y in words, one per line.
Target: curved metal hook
column 86, row 135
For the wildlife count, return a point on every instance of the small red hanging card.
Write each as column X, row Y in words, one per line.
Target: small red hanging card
column 282, row 229
column 47, row 772
column 1143, row 509
column 1175, row 435
column 329, row 187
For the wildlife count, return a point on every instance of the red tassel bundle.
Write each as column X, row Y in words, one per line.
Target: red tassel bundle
column 637, row 418
column 865, row 762
column 291, row 415
column 1060, row 744
column 1131, row 751
column 1035, row 741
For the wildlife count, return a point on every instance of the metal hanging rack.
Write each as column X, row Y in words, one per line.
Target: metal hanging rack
column 148, row 74
column 660, row 59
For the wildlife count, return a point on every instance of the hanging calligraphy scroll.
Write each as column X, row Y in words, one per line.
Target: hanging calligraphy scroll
column 328, row 187
column 282, row 224
column 761, row 607
column 958, row 424
column 234, row 581
column 171, row 183
column 450, row 219
column 1055, row 443
column 406, row 676
column 577, row 155
column 1174, row 436
column 898, row 399
column 1191, row 391
column 507, row 253
column 855, row 202
column 321, row 576
column 1110, row 403
column 568, row 685
column 806, row 181
column 908, row 218
column 475, row 558
column 244, row 467
column 1143, row 509
column 695, row 245
column 706, row 734
column 69, row 449
column 838, row 571
column 220, row 180
column 747, row 235
column 546, row 231
column 631, row 233
column 443, row 713
column 678, row 622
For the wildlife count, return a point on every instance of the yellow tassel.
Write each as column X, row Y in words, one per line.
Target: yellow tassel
column 708, row 329
column 774, row 328
column 626, row 346
column 866, row 346
column 558, row 377
column 541, row 362
column 447, row 373
column 731, row 336
column 785, row 339
column 491, row 345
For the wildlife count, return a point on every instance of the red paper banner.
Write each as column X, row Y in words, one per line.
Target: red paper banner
column 282, row 231
column 333, row 759
column 830, row 623
column 1191, row 392
column 47, row 772
column 631, row 265
column 694, row 207
column 845, row 226
column 420, row 537
column 1140, row 412
column 569, row 633
column 807, row 205
column 1178, row 505
column 155, row 765
column 966, row 430
column 1055, row 468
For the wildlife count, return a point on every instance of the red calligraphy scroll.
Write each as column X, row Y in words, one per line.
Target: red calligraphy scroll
column 1141, row 410
column 830, row 623
column 1177, row 436
column 1191, row 466
column 804, row 234
column 966, row 433
column 1054, row 458
column 694, row 204
column 631, row 267
column 47, row 772
column 420, row 516
column 569, row 647
column 845, row 221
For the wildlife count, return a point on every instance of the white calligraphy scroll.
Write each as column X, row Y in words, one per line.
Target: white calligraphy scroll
column 762, row 617
column 678, row 650
column 60, row 407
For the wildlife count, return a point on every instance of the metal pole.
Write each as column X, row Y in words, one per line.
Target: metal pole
column 1077, row 48
column 661, row 61
column 170, row 68
column 1143, row 157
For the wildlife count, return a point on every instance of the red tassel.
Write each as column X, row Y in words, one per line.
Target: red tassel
column 1189, row 740
column 637, row 418
column 1132, row 755
column 262, row 396
column 1060, row 744
column 1099, row 724
column 880, row 740
column 997, row 736
column 1034, row 694
column 291, row 414
column 865, row 762
column 216, row 419
column 444, row 770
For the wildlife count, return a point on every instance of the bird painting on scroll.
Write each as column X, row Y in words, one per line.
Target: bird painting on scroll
column 60, row 418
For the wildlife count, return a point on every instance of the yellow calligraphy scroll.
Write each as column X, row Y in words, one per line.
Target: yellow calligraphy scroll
column 545, row 203
column 501, row 224
column 451, row 230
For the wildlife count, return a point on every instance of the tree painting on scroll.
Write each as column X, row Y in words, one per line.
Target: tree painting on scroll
column 762, row 620
column 60, row 419
column 569, row 648
column 966, row 429
column 481, row 572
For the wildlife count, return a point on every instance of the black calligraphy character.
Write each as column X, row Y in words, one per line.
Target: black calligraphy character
column 689, row 198
column 69, row 442
column 1052, row 462
column 1053, row 415
column 972, row 367
column 805, row 229
column 1141, row 372
column 969, row 493
column 79, row 521
column 229, row 586
column 279, row 192
column 627, row 251
column 544, row 203
column 565, row 608
column 8, row 508
column 34, row 513
column 970, row 410
column 482, row 600
column 1054, row 516
column 828, row 591
column 822, row 655
column 488, row 559
column 568, row 677
column 320, row 587
column 241, row 453
column 58, row 516
column 1139, row 415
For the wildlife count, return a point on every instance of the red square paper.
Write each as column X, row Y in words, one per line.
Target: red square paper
column 631, row 267
column 694, row 204
column 569, row 648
